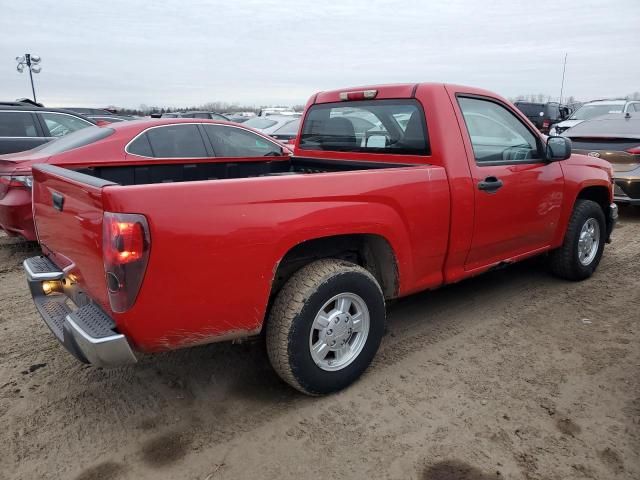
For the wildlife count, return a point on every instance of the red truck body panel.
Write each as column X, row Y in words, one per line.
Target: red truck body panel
column 216, row 245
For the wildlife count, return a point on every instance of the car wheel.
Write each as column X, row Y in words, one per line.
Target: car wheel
column 325, row 326
column 583, row 245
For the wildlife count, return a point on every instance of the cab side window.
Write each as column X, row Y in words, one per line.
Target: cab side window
column 497, row 135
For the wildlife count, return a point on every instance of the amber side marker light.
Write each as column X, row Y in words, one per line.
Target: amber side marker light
column 360, row 95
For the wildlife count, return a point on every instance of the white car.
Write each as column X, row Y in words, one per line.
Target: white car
column 595, row 109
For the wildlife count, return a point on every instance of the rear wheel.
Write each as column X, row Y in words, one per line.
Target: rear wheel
column 325, row 326
column 583, row 245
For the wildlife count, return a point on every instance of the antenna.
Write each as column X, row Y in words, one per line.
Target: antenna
column 564, row 68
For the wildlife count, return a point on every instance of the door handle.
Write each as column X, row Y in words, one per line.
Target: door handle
column 57, row 200
column 490, row 184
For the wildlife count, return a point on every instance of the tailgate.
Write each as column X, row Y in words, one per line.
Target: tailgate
column 67, row 208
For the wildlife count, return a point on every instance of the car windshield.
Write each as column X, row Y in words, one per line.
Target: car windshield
column 260, row 123
column 587, row 112
column 76, row 139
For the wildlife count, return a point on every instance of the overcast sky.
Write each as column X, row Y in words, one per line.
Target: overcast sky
column 184, row 52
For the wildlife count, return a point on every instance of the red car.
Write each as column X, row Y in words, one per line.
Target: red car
column 440, row 183
column 169, row 141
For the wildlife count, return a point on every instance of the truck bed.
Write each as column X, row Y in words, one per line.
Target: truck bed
column 136, row 174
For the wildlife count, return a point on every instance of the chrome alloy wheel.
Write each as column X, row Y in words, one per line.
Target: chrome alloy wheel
column 339, row 332
column 589, row 241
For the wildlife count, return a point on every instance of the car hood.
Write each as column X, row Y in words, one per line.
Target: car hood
column 588, row 161
column 568, row 123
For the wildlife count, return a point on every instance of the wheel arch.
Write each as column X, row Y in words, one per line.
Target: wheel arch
column 371, row 251
column 596, row 192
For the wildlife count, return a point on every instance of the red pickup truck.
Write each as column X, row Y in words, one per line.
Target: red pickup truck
column 391, row 190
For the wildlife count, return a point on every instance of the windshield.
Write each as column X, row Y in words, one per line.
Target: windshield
column 260, row 123
column 77, row 139
column 587, row 112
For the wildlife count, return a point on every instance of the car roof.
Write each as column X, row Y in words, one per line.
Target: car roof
column 607, row 102
column 136, row 126
column 32, row 108
column 200, row 111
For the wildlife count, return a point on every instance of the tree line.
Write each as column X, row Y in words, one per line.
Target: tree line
column 218, row 107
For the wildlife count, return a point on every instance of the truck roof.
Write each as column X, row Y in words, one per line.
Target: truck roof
column 397, row 90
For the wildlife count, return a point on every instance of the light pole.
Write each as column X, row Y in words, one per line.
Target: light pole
column 31, row 62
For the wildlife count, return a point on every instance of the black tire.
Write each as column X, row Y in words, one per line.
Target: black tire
column 294, row 311
column 564, row 261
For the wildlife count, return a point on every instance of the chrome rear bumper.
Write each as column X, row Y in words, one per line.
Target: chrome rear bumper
column 86, row 331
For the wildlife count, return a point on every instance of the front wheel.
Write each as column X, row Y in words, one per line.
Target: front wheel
column 325, row 326
column 583, row 245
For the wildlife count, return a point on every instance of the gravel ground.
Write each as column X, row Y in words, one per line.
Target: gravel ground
column 512, row 375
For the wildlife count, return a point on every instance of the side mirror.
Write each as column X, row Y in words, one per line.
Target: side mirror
column 558, row 148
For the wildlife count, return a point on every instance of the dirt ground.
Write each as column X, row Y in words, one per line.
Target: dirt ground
column 512, row 375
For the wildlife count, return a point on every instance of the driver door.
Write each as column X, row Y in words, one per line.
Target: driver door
column 518, row 194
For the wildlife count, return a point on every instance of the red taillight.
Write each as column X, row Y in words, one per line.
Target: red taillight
column 634, row 150
column 125, row 247
column 545, row 124
column 127, row 241
column 361, row 95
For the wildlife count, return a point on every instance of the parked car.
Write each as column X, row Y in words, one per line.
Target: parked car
column 21, row 102
column 25, row 127
column 271, row 123
column 268, row 111
column 309, row 248
column 209, row 115
column 232, row 117
column 287, row 133
column 90, row 111
column 111, row 118
column 543, row 115
column 616, row 138
column 159, row 142
column 595, row 109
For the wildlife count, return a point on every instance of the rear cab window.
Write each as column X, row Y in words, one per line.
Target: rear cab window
column 370, row 126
